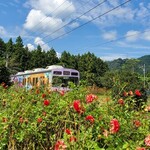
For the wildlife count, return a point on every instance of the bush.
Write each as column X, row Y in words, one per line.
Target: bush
column 41, row 119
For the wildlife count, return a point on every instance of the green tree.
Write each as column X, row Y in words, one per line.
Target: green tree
column 2, row 51
column 91, row 68
column 130, row 65
column 4, row 74
column 51, row 57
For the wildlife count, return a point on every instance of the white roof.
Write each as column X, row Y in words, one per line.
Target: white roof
column 38, row 69
column 20, row 73
column 28, row 71
column 54, row 67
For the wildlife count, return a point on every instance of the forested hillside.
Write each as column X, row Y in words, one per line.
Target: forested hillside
column 136, row 65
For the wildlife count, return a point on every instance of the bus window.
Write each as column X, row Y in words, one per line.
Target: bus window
column 58, row 81
column 57, row 73
column 74, row 73
column 66, row 72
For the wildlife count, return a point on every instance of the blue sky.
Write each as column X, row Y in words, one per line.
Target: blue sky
column 62, row 24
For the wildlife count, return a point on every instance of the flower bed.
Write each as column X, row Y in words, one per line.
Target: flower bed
column 40, row 119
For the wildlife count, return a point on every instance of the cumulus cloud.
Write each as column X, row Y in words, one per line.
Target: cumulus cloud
column 39, row 41
column 30, row 47
column 47, row 17
column 37, row 21
column 52, row 7
column 111, row 35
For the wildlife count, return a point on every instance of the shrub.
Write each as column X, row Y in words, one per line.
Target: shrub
column 41, row 119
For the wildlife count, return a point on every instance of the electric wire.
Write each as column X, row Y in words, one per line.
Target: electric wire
column 123, row 37
column 55, row 16
column 75, row 19
column 88, row 21
column 48, row 16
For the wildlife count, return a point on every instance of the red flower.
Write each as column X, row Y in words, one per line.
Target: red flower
column 125, row 94
column 39, row 120
column 73, row 139
column 90, row 98
column 137, row 93
column 46, row 102
column 62, row 93
column 77, row 106
column 121, row 101
column 60, row 145
column 137, row 123
column 140, row 148
column 114, row 126
column 43, row 95
column 68, row 131
column 147, row 140
column 90, row 118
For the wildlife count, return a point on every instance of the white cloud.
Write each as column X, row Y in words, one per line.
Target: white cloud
column 47, row 17
column 30, row 47
column 53, row 7
column 146, row 35
column 111, row 35
column 74, row 25
column 58, row 54
column 39, row 41
column 3, row 32
column 37, row 21
column 133, row 46
column 132, row 35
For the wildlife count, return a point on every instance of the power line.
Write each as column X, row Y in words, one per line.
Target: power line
column 123, row 37
column 75, row 19
column 88, row 21
column 49, row 15
column 56, row 15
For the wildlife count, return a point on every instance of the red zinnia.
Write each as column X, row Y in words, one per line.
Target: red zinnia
column 147, row 140
column 125, row 94
column 114, row 126
column 68, row 131
column 137, row 123
column 46, row 102
column 77, row 106
column 60, row 145
column 90, row 118
column 73, row 139
column 39, row 120
column 62, row 93
column 137, row 93
column 90, row 98
column 121, row 101
column 43, row 95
